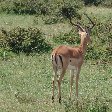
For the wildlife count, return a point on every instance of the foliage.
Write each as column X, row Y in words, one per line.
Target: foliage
column 45, row 7
column 6, row 6
column 21, row 6
column 24, row 40
column 94, row 2
column 70, row 9
column 25, row 7
column 64, row 8
column 67, row 38
column 103, row 42
column 107, row 3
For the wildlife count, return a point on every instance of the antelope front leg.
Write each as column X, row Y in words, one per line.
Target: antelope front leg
column 71, row 82
column 77, row 79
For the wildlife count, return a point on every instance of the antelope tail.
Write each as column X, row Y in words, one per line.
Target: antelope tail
column 57, row 60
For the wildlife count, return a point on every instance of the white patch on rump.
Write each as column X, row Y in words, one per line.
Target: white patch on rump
column 56, row 61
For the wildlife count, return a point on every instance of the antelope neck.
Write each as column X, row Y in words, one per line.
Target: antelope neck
column 83, row 46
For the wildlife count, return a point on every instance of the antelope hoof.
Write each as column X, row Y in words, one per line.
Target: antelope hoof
column 52, row 99
column 60, row 100
column 70, row 98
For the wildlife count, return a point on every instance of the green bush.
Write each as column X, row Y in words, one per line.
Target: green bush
column 69, row 9
column 23, row 7
column 64, row 8
column 67, row 38
column 43, row 7
column 107, row 3
column 6, row 6
column 92, row 2
column 25, row 40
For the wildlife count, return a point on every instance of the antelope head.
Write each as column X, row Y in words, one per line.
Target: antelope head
column 85, row 31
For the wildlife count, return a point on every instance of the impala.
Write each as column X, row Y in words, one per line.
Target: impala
column 66, row 57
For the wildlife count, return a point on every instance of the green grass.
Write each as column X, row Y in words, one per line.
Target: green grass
column 25, row 81
column 26, row 86
column 8, row 22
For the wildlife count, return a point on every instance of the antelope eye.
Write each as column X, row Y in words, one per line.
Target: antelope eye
column 87, row 35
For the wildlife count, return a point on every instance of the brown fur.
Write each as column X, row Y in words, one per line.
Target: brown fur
column 71, row 57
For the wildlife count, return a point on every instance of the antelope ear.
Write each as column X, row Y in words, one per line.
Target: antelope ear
column 80, row 31
column 80, row 28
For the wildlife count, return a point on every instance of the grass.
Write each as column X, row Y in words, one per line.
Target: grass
column 8, row 22
column 25, row 81
column 26, row 86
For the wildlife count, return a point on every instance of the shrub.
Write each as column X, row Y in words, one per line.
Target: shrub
column 43, row 7
column 92, row 2
column 25, row 7
column 107, row 3
column 6, row 6
column 26, row 40
column 70, row 9
column 67, row 38
column 102, row 41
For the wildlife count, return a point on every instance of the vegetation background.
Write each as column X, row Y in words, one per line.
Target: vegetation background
column 29, row 30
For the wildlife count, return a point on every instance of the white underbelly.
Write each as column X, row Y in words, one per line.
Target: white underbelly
column 71, row 67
